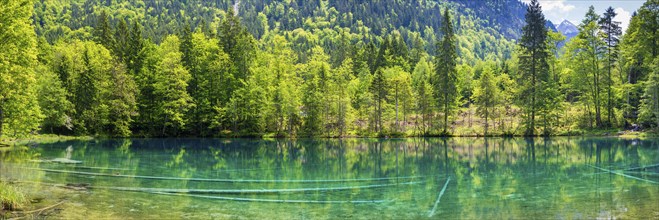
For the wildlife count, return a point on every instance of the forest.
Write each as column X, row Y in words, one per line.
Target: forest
column 322, row 68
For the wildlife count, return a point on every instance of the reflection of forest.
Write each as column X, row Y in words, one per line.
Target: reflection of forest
column 352, row 157
column 504, row 176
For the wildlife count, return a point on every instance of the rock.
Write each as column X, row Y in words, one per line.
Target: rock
column 77, row 186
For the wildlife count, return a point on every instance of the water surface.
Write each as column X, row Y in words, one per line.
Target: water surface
column 459, row 178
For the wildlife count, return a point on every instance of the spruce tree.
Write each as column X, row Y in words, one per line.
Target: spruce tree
column 533, row 63
column 103, row 31
column 611, row 33
column 446, row 73
column 135, row 46
column 120, row 49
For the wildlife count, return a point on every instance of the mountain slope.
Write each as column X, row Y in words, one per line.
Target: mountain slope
column 568, row 29
column 485, row 28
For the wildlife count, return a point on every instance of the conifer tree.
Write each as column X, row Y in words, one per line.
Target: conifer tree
column 446, row 73
column 103, row 31
column 135, row 46
column 533, row 63
column 611, row 33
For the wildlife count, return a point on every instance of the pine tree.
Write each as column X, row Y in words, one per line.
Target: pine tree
column 533, row 63
column 135, row 46
column 121, row 45
column 612, row 31
column 103, row 31
column 446, row 73
column 86, row 94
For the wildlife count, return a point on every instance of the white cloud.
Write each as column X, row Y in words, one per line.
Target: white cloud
column 556, row 5
column 554, row 10
column 551, row 5
column 623, row 17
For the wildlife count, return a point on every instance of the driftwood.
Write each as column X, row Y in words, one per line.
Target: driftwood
column 643, row 173
column 38, row 211
column 432, row 212
column 643, row 167
column 58, row 160
column 625, row 175
column 248, row 191
column 222, row 180
column 275, row 200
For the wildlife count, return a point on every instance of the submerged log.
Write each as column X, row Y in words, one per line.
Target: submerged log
column 625, row 175
column 248, row 191
column 432, row 212
column 643, row 167
column 222, row 180
column 58, row 160
column 23, row 214
column 276, row 200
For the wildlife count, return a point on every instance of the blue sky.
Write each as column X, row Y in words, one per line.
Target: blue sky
column 575, row 10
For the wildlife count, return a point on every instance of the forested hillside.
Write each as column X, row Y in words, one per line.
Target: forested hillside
column 481, row 25
column 319, row 68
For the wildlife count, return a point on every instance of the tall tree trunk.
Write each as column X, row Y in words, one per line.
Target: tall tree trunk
column 609, row 104
column 445, row 110
column 598, row 115
column 397, row 107
column 531, row 131
column 486, row 121
column 379, row 114
column 2, row 118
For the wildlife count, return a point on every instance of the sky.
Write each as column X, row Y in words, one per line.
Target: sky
column 574, row 10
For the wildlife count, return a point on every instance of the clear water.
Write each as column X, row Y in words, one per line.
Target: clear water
column 350, row 178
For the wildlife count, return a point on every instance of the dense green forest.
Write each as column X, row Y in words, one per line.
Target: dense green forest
column 320, row 68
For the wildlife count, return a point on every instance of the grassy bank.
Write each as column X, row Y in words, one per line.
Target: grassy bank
column 38, row 139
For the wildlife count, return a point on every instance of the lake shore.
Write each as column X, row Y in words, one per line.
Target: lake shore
column 6, row 143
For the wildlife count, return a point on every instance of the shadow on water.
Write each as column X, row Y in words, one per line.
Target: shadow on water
column 340, row 178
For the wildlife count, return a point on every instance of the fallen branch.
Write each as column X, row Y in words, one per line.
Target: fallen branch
column 643, row 167
column 643, row 173
column 221, row 180
column 275, row 200
column 98, row 168
column 39, row 210
column 622, row 174
column 246, row 191
column 432, row 212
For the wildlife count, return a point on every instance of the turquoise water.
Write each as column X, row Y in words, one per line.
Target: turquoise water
column 459, row 178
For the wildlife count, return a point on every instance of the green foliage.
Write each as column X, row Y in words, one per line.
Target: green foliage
column 310, row 68
column 486, row 96
column 533, row 65
column 649, row 109
column 10, row 197
column 171, row 81
column 19, row 108
column 446, row 84
column 57, row 109
column 424, row 93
